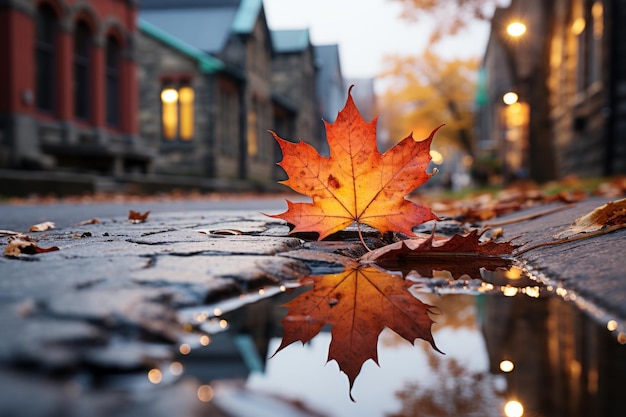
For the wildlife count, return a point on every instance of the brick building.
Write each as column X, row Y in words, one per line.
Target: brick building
column 68, row 91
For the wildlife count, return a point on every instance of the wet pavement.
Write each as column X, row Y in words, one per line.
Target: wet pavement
column 96, row 327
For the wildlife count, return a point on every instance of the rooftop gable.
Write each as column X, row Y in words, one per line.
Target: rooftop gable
column 295, row 40
column 206, row 63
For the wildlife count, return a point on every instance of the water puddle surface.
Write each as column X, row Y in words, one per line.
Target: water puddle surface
column 493, row 344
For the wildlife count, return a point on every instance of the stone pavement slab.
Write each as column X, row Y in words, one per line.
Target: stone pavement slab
column 589, row 272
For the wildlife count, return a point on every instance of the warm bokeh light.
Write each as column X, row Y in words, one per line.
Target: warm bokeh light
column 223, row 324
column 510, row 98
column 514, row 273
column 621, row 338
column 205, row 393
column 611, row 325
column 217, row 312
column 516, row 29
column 578, row 26
column 205, row 340
column 184, row 349
column 509, row 291
column 169, row 95
column 533, row 292
column 176, row 368
column 513, row 409
column 436, row 156
column 261, row 291
column 506, row 366
column 155, row 376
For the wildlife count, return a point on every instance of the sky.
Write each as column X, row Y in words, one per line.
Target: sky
column 367, row 30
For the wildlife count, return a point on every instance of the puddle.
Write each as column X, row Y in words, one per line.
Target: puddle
column 511, row 347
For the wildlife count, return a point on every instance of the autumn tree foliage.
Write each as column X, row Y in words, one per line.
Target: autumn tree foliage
column 429, row 89
column 452, row 16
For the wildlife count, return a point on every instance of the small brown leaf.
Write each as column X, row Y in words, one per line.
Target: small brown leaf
column 41, row 227
column 137, row 217
column 610, row 214
column 90, row 221
column 16, row 247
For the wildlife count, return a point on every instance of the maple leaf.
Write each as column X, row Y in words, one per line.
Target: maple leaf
column 459, row 255
column 356, row 183
column 137, row 217
column 358, row 303
column 612, row 213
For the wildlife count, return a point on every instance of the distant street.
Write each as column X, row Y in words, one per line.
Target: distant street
column 20, row 218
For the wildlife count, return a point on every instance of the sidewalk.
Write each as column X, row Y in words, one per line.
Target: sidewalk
column 110, row 297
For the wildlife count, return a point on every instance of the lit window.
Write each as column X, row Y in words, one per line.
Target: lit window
column 169, row 112
column 185, row 99
column 253, row 138
column 177, row 113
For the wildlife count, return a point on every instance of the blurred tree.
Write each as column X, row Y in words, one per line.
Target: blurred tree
column 426, row 91
column 451, row 15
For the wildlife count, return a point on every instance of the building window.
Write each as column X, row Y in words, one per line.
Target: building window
column 112, row 74
column 177, row 113
column 253, row 137
column 45, row 57
column 82, row 66
column 595, row 43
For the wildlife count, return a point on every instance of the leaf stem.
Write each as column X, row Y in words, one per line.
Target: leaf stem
column 358, row 228
column 600, row 232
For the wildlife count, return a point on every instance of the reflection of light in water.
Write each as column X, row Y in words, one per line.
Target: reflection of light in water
column 513, row 409
column 506, row 366
column 611, row 325
column 205, row 340
column 223, row 324
column 509, row 291
column 514, row 273
column 561, row 292
column 155, row 376
column 184, row 349
column 532, row 292
column 205, row 393
column 176, row 368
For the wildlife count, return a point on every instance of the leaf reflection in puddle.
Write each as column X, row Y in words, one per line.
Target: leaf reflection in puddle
column 358, row 303
column 361, row 301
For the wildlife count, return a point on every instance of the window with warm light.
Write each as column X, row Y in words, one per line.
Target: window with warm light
column 177, row 113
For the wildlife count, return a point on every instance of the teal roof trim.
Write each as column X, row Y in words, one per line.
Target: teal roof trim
column 293, row 40
column 246, row 16
column 207, row 63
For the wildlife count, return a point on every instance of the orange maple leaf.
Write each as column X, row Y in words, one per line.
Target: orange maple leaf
column 358, row 303
column 356, row 183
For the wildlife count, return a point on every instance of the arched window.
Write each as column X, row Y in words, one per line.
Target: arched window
column 82, row 65
column 178, row 112
column 112, row 74
column 45, row 58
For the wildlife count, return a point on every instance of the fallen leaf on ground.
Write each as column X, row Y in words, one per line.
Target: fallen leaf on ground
column 358, row 303
column 41, row 227
column 19, row 246
column 356, row 183
column 610, row 214
column 90, row 221
column 137, row 217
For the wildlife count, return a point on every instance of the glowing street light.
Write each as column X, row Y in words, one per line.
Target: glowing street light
column 516, row 29
column 513, row 409
column 510, row 98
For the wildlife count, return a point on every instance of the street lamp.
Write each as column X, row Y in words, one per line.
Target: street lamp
column 516, row 29
column 510, row 98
